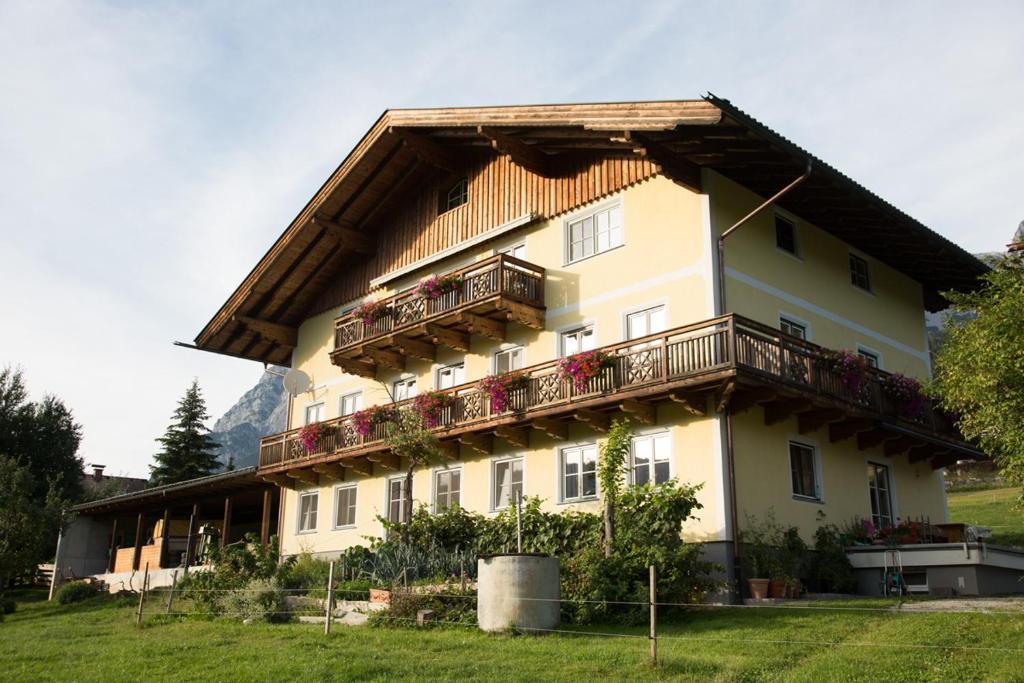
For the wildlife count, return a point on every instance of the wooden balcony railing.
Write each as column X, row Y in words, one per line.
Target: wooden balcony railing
column 500, row 276
column 684, row 358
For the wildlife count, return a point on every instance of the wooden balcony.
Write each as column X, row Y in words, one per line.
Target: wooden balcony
column 734, row 363
column 493, row 292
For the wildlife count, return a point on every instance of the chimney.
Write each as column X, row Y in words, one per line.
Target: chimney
column 97, row 471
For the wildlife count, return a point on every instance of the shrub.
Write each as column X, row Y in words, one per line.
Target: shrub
column 829, row 569
column 75, row 591
column 304, row 572
column 7, row 606
column 453, row 608
column 259, row 600
column 234, row 567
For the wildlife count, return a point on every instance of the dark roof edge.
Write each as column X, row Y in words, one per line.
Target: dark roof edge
column 166, row 488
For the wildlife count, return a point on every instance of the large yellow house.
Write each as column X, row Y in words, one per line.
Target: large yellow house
column 573, row 228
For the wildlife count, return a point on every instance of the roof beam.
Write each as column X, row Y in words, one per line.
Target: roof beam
column 527, row 156
column 677, row 168
column 282, row 334
column 345, row 235
column 428, row 151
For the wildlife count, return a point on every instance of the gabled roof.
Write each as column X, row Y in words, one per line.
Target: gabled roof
column 335, row 230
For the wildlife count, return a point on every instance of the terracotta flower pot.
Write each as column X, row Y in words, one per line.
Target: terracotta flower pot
column 380, row 596
column 758, row 588
column 777, row 588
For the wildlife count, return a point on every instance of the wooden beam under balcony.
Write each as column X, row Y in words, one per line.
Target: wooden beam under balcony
column 870, row 439
column 304, row 475
column 643, row 412
column 750, row 397
column 282, row 334
column 453, row 339
column 919, row 453
column 597, row 421
column 522, row 154
column 481, row 443
column 388, row 461
column 695, row 404
column 517, row 436
column 783, row 409
column 840, row 431
column 944, row 459
column 389, row 359
column 412, row 347
column 485, row 327
column 813, row 420
column 330, row 470
column 356, row 367
column 531, row 316
column 280, row 480
column 358, row 465
column 553, row 428
column 894, row 447
column 452, row 449
column 723, row 395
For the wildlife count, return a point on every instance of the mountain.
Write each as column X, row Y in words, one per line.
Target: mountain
column 259, row 412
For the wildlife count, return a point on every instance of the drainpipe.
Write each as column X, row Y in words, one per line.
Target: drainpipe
column 722, row 310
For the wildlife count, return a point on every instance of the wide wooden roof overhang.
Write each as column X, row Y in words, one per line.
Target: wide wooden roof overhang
column 185, row 492
column 336, row 227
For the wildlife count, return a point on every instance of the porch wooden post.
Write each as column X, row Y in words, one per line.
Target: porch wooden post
column 113, row 547
column 190, row 544
column 226, row 529
column 265, row 522
column 138, row 542
column 163, row 538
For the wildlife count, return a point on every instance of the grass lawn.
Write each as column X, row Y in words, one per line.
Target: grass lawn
column 97, row 641
column 993, row 508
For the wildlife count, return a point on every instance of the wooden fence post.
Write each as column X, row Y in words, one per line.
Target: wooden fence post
column 142, row 596
column 170, row 596
column 329, row 610
column 654, row 616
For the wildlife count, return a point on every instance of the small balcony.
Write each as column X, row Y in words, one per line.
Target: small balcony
column 726, row 364
column 485, row 298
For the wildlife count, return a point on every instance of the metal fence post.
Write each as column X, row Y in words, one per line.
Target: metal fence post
column 654, row 616
column 329, row 611
column 170, row 596
column 142, row 596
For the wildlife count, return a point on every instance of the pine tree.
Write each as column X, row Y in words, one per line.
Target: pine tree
column 188, row 451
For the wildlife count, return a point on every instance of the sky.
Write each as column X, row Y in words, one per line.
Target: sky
column 151, row 153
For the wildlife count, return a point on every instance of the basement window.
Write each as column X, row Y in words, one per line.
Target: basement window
column 457, row 195
column 859, row 274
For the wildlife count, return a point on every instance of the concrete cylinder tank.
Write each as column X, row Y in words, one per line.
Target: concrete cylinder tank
column 518, row 591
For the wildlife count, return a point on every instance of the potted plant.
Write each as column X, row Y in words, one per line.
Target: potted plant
column 906, row 393
column 431, row 406
column 365, row 421
column 436, row 286
column 851, row 367
column 371, row 311
column 313, row 435
column 757, row 586
column 582, row 367
column 498, row 388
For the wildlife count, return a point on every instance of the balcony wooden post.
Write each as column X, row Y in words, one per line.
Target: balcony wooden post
column 138, row 542
column 112, row 557
column 165, row 534
column 190, row 543
column 265, row 520
column 226, row 528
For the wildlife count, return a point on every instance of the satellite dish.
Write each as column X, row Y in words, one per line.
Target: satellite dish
column 296, row 382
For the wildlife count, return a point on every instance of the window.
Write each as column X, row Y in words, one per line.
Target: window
column 508, row 360
column 447, row 489
column 785, row 234
column 307, row 510
column 457, row 195
column 506, row 482
column 643, row 323
column 881, row 500
column 575, row 341
column 579, row 473
column 793, row 328
column 396, row 500
column 859, row 274
column 595, row 233
column 314, row 413
column 451, row 375
column 345, row 506
column 870, row 356
column 404, row 388
column 804, row 471
column 515, row 251
column 650, row 458
column 351, row 403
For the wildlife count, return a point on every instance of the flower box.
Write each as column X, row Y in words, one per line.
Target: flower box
column 851, row 367
column 906, row 393
column 499, row 387
column 437, row 286
column 312, row 436
column 431, row 406
column 365, row 421
column 582, row 367
column 371, row 311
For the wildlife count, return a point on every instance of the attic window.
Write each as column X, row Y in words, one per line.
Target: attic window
column 457, row 195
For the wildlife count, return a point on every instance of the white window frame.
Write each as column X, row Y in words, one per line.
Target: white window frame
column 388, row 501
column 492, row 494
column 449, row 366
column 797, row 252
column 434, row 475
column 870, row 289
column 591, row 212
column 464, row 194
column 561, row 459
column 575, row 330
column 893, row 514
column 646, row 308
column 357, row 397
column 861, row 349
column 316, row 512
column 508, row 250
column 819, row 496
column 320, row 407
column 795, row 320
column 409, row 381
column 651, row 471
column 509, row 349
column 354, row 487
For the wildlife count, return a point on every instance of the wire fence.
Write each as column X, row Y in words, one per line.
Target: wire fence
column 336, row 597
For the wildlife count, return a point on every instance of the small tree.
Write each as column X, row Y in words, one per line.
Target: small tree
column 980, row 364
column 28, row 524
column 610, row 471
column 409, row 438
column 188, row 451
